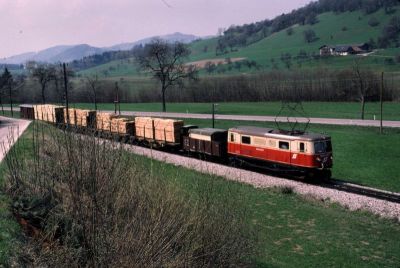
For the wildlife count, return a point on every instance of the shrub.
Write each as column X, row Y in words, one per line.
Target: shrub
column 310, row 36
column 96, row 205
column 373, row 22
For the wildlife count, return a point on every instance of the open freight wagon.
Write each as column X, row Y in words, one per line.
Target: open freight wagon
column 158, row 131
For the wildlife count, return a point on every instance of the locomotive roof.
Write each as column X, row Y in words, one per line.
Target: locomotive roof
column 207, row 131
column 274, row 133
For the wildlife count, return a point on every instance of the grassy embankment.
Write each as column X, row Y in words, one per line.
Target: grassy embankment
column 293, row 231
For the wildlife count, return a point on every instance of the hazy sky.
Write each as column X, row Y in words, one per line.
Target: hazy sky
column 32, row 25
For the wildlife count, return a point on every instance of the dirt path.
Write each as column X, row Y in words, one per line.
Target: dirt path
column 10, row 127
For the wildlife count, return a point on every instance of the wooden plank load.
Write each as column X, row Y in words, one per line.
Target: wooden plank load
column 103, row 121
column 122, row 126
column 127, row 127
column 167, row 130
column 49, row 113
column 115, row 122
column 144, row 127
column 72, row 116
column 85, row 118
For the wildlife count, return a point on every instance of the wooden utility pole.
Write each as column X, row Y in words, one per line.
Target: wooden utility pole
column 214, row 105
column 381, row 98
column 66, row 91
column 116, row 99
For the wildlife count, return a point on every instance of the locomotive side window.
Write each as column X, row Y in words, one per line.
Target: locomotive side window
column 284, row 145
column 246, row 140
column 232, row 137
column 302, row 147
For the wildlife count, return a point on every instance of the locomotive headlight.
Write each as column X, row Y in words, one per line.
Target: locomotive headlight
column 318, row 159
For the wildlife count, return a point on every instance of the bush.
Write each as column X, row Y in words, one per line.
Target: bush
column 289, row 31
column 310, row 36
column 344, row 28
column 373, row 22
column 109, row 207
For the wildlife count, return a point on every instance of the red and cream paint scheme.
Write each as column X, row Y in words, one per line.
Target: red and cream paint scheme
column 310, row 151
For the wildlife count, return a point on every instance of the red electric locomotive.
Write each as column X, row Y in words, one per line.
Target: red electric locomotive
column 288, row 151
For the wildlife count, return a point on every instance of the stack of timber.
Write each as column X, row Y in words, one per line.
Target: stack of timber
column 72, row 116
column 103, row 121
column 167, row 130
column 122, row 126
column 85, row 118
column 127, row 127
column 49, row 113
column 144, row 127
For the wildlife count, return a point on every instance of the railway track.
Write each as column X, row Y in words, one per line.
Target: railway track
column 362, row 190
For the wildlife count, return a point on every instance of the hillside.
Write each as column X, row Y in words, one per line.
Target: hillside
column 331, row 29
column 69, row 53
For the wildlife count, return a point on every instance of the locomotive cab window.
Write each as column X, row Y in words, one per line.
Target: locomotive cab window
column 323, row 146
column 284, row 145
column 246, row 140
column 302, row 147
column 232, row 137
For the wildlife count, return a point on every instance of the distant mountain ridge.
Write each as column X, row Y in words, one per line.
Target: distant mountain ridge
column 67, row 53
column 175, row 37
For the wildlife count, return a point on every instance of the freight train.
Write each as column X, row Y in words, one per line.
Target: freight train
column 297, row 152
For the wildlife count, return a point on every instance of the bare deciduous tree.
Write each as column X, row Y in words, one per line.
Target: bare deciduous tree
column 165, row 61
column 43, row 74
column 93, row 84
column 361, row 91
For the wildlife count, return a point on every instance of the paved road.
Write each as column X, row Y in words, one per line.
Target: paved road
column 10, row 130
column 325, row 121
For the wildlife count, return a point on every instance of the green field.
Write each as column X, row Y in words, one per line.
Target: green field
column 347, row 110
column 329, row 31
column 292, row 231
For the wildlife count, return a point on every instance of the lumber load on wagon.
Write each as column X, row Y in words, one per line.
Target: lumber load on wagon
column 144, row 127
column 167, row 130
column 103, row 121
column 49, row 113
column 72, row 116
column 123, row 126
column 127, row 127
column 85, row 118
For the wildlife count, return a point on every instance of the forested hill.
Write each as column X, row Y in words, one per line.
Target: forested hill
column 239, row 36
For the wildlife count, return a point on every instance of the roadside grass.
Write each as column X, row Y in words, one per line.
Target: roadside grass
column 361, row 154
column 10, row 231
column 345, row 110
